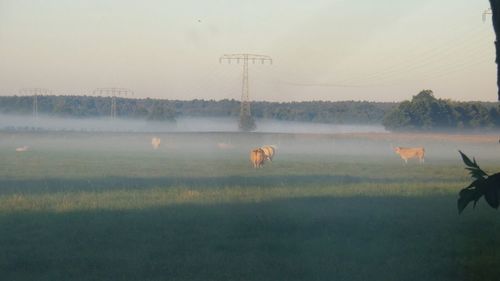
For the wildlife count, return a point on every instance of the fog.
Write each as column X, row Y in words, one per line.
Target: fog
column 219, row 137
column 186, row 124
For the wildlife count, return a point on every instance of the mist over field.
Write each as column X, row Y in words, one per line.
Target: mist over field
column 95, row 192
column 182, row 124
column 211, row 136
column 335, row 147
column 140, row 197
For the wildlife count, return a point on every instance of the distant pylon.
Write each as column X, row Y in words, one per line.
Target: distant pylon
column 112, row 92
column 486, row 12
column 247, row 122
column 35, row 92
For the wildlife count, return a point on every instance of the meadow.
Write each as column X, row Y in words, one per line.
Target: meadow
column 81, row 206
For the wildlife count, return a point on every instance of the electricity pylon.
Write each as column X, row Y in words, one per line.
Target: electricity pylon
column 35, row 92
column 246, row 123
column 112, row 92
column 486, row 12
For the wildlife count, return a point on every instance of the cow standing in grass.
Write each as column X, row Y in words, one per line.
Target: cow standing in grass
column 155, row 142
column 410, row 152
column 22, row 148
column 257, row 157
column 269, row 151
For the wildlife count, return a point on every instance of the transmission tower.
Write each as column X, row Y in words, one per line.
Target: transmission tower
column 112, row 92
column 486, row 12
column 35, row 92
column 246, row 123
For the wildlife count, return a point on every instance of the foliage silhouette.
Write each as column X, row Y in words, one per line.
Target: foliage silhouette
column 482, row 185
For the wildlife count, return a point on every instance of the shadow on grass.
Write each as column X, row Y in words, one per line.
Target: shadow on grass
column 357, row 238
column 50, row 185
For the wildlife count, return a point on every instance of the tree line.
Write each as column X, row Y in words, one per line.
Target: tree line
column 424, row 112
column 351, row 112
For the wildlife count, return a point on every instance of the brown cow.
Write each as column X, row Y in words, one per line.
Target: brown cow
column 257, row 157
column 268, row 152
column 410, row 152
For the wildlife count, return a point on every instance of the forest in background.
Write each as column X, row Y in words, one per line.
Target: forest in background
column 345, row 112
column 424, row 112
column 427, row 113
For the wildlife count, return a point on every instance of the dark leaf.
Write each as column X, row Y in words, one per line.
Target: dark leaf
column 489, row 186
column 474, row 169
column 473, row 184
column 491, row 196
column 491, row 190
column 476, row 173
column 495, row 178
column 470, row 186
column 466, row 159
column 467, row 196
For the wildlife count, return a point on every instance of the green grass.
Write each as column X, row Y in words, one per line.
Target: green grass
column 115, row 213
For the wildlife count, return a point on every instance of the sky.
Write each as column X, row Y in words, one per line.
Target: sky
column 332, row 50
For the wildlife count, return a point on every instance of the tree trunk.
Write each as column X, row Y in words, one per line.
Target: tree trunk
column 495, row 11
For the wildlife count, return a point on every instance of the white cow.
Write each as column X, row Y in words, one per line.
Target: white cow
column 22, row 148
column 155, row 142
column 269, row 151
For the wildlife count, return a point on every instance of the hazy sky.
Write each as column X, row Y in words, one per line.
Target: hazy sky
column 384, row 50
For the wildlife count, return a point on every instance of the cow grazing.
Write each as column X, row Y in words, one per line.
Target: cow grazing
column 269, row 151
column 22, row 148
column 155, row 142
column 257, row 157
column 410, row 152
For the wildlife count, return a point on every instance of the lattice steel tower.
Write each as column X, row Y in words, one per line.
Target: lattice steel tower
column 35, row 92
column 246, row 123
column 113, row 92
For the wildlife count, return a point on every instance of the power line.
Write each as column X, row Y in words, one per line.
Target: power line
column 432, row 58
column 428, row 57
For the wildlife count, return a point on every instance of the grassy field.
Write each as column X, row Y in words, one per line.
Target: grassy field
column 108, row 207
